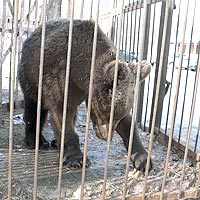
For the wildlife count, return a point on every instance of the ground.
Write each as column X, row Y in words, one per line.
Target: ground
column 23, row 166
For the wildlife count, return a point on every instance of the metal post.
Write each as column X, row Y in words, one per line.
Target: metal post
column 164, row 65
column 144, row 56
column 2, row 47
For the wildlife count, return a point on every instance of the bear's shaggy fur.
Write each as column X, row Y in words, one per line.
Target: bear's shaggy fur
column 55, row 54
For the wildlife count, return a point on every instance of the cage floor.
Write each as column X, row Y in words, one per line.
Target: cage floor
column 23, row 166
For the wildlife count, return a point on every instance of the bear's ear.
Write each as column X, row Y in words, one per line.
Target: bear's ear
column 109, row 71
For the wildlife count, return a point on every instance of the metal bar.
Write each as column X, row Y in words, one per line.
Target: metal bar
column 28, row 17
column 168, row 5
column 126, row 36
column 130, row 41
column 112, row 30
column 19, row 53
column 113, row 101
column 138, row 36
column 164, row 69
column 69, row 8
column 175, row 102
column 91, row 7
column 123, row 30
column 2, row 46
column 186, row 78
column 152, row 40
column 36, row 14
column 13, row 62
column 134, row 38
column 144, row 57
column 89, row 101
column 39, row 98
column 190, row 121
column 136, row 93
column 197, row 136
column 10, row 7
column 66, row 93
column 172, row 74
column 82, row 7
column 162, row 137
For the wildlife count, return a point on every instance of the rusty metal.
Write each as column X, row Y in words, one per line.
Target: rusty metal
column 2, row 46
column 135, row 101
column 190, row 123
column 112, row 102
column 168, row 6
column 69, row 47
column 12, row 84
column 89, row 101
column 39, row 99
column 175, row 104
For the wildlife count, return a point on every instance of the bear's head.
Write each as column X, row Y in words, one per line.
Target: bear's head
column 103, row 91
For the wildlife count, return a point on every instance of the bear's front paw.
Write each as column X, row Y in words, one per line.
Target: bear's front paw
column 75, row 161
column 139, row 161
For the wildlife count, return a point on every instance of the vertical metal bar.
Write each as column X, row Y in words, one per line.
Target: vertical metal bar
column 197, row 137
column 10, row 7
column 28, row 17
column 36, row 14
column 13, row 62
column 2, row 46
column 69, row 8
column 168, row 5
column 126, row 37
column 123, row 27
column 144, row 56
column 172, row 74
column 138, row 36
column 186, row 78
column 65, row 99
column 89, row 100
column 39, row 98
column 152, row 40
column 175, row 102
column 91, row 7
column 116, row 29
column 190, row 126
column 136, row 93
column 82, row 7
column 134, row 38
column 164, row 64
column 112, row 29
column 130, row 41
column 113, row 100
column 19, row 51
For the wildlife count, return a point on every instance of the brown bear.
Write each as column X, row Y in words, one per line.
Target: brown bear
column 55, row 55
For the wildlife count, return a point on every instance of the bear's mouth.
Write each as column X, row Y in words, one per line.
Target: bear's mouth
column 102, row 131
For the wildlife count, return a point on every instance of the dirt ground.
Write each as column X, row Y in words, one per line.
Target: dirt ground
column 23, row 166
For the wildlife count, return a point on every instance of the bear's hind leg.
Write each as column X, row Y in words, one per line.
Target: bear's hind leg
column 30, row 117
column 73, row 157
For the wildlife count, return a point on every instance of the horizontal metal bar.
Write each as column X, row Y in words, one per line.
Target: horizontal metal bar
column 180, row 145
